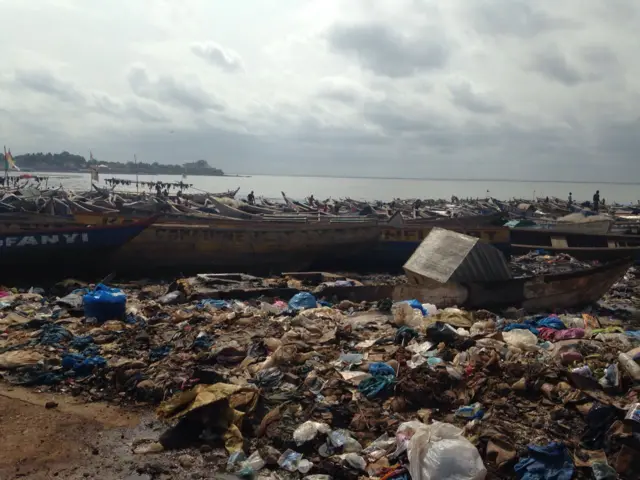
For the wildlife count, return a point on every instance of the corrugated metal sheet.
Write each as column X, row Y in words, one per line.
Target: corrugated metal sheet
column 450, row 256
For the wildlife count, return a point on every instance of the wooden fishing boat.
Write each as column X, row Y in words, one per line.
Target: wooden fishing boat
column 223, row 244
column 69, row 250
column 579, row 245
column 545, row 293
column 397, row 243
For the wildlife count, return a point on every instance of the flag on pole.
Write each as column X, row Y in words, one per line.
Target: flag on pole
column 9, row 161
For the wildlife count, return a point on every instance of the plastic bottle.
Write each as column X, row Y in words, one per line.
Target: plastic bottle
column 630, row 366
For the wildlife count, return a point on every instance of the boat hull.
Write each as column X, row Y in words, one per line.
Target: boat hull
column 546, row 293
column 603, row 248
column 243, row 246
column 62, row 251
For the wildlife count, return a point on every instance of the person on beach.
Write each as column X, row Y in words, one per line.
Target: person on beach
column 596, row 201
column 251, row 198
column 570, row 199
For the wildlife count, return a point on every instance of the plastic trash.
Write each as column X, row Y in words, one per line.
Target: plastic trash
column 552, row 462
column 404, row 335
column 354, row 461
column 522, row 339
column 416, row 305
column 430, row 309
column 440, row 452
column 213, row 303
column 105, row 303
column 302, row 301
column 470, row 412
column 82, row 365
column 382, row 376
column 404, row 314
column 290, row 460
column 603, row 471
column 442, row 332
column 308, row 431
column 630, row 366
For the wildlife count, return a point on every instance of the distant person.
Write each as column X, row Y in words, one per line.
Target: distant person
column 251, row 198
column 166, row 192
column 570, row 198
column 596, row 201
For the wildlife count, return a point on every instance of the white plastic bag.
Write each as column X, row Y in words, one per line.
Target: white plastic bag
column 405, row 314
column 308, row 431
column 440, row 452
column 521, row 338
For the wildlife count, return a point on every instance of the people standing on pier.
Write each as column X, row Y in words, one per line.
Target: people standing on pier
column 596, row 201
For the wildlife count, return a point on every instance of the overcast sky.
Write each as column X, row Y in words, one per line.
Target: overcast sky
column 405, row 88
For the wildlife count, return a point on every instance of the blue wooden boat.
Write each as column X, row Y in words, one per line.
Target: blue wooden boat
column 63, row 251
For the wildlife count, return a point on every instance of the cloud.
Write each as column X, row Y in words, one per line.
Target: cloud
column 464, row 96
column 415, row 88
column 517, row 18
column 165, row 89
column 343, row 90
column 43, row 81
column 554, row 65
column 148, row 112
column 215, row 55
column 384, row 51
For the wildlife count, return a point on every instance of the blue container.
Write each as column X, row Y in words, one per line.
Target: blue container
column 105, row 303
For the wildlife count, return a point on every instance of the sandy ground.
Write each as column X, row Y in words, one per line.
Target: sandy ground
column 80, row 441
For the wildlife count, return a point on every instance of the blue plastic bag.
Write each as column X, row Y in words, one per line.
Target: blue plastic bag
column 383, row 375
column 82, row 365
column 415, row 304
column 105, row 303
column 548, row 462
column 302, row 300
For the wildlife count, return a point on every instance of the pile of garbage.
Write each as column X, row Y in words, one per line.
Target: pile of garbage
column 539, row 262
column 317, row 389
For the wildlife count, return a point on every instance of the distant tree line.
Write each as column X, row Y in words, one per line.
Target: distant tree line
column 69, row 162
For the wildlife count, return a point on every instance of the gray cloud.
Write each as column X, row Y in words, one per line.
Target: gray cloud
column 387, row 52
column 129, row 109
column 343, row 91
column 463, row 96
column 371, row 95
column 43, row 81
column 518, row 18
column 218, row 56
column 554, row 65
column 167, row 90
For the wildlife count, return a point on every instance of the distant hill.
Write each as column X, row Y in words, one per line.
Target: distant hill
column 69, row 162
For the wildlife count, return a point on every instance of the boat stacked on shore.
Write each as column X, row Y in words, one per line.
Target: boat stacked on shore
column 219, row 233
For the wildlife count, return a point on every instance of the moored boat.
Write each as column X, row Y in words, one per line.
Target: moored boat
column 579, row 245
column 540, row 293
column 59, row 251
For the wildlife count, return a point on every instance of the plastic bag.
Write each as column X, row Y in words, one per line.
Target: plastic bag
column 308, row 431
column 302, row 300
column 523, row 339
column 105, row 303
column 440, row 452
column 441, row 332
column 404, row 314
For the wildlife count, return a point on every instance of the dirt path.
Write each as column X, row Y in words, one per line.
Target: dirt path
column 78, row 441
column 68, row 442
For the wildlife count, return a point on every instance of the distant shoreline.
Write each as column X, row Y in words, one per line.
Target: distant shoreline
column 419, row 179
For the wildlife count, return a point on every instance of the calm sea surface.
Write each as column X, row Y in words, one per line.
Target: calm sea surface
column 372, row 188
